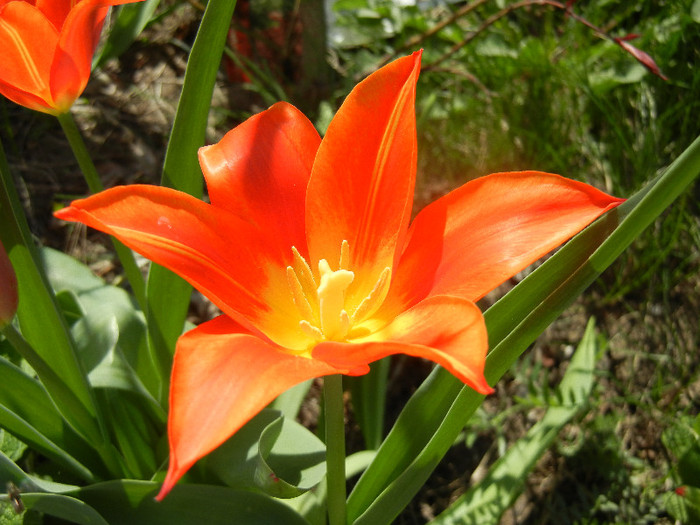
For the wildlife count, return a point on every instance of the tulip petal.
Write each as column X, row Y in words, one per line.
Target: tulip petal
column 55, row 10
column 27, row 40
column 78, row 39
column 226, row 258
column 361, row 186
column 260, row 170
column 474, row 238
column 223, row 376
column 447, row 330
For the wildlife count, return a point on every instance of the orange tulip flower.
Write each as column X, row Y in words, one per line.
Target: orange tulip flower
column 8, row 288
column 47, row 48
column 307, row 250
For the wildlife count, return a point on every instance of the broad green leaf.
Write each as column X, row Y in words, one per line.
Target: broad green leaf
column 45, row 331
column 127, row 502
column 289, row 402
column 167, row 294
column 271, row 453
column 434, row 416
column 128, row 23
column 9, row 471
column 486, row 502
column 64, row 507
column 134, row 433
column 17, row 426
column 99, row 305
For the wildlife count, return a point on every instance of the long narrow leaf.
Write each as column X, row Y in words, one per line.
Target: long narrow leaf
column 438, row 410
column 40, row 318
column 168, row 295
column 486, row 502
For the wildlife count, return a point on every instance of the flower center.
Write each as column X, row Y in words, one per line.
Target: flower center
column 322, row 302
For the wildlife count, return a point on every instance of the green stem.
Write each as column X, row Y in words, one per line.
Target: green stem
column 335, row 448
column 89, row 171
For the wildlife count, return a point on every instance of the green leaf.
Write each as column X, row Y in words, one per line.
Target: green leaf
column 127, row 25
column 167, row 294
column 270, row 453
column 65, row 507
column 95, row 307
column 129, row 502
column 695, row 11
column 486, row 502
column 436, row 413
column 48, row 343
column 12, row 447
column 289, row 402
column 369, row 401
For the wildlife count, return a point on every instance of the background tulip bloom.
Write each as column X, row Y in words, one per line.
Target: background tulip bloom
column 306, row 248
column 47, row 48
column 8, row 288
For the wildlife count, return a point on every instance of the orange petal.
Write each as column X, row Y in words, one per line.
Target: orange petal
column 55, row 10
column 226, row 258
column 28, row 41
column 447, row 330
column 473, row 239
column 223, row 376
column 361, row 186
column 260, row 170
column 77, row 42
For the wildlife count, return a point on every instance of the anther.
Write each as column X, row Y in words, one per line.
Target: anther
column 304, row 274
column 375, row 298
column 298, row 296
column 311, row 330
column 344, row 263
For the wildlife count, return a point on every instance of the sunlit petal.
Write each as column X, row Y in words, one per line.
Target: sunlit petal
column 223, row 376
column 227, row 259
column 471, row 240
column 361, row 187
column 447, row 330
column 260, row 170
column 28, row 41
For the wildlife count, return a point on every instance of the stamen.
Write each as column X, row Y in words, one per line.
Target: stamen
column 331, row 295
column 304, row 274
column 344, row 263
column 298, row 296
column 375, row 298
column 311, row 330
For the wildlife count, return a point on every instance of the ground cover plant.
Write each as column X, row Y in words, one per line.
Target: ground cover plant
column 594, row 422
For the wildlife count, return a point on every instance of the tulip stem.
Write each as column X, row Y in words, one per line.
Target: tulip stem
column 87, row 167
column 335, row 448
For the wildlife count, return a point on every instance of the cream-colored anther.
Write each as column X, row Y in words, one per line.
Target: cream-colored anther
column 335, row 322
column 344, row 263
column 304, row 274
column 298, row 295
column 311, row 330
column 376, row 297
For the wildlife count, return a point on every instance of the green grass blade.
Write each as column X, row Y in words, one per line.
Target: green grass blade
column 130, row 20
column 486, row 502
column 436, row 413
column 167, row 294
